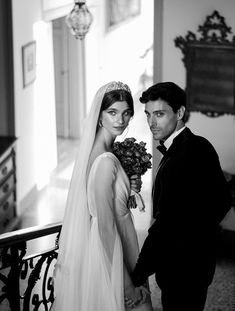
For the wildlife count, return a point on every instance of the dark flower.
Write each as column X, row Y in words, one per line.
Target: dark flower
column 133, row 156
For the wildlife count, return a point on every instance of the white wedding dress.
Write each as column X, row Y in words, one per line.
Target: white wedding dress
column 108, row 190
column 98, row 234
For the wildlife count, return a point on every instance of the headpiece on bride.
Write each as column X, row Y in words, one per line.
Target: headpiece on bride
column 71, row 268
column 113, row 86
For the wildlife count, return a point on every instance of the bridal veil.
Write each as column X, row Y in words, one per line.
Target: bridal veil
column 75, row 230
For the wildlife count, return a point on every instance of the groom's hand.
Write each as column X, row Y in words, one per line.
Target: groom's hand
column 132, row 296
column 144, row 292
column 136, row 183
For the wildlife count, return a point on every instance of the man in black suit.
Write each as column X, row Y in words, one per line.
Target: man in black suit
column 190, row 198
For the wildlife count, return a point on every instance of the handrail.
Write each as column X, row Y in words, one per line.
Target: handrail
column 26, row 281
column 30, row 233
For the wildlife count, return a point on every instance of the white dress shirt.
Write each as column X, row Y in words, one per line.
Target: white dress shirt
column 169, row 140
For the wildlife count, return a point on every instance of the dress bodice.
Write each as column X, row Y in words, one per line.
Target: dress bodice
column 111, row 243
column 116, row 195
column 120, row 186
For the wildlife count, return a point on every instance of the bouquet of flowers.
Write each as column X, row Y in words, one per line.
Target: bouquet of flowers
column 135, row 160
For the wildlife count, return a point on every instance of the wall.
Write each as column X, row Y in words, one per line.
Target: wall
column 115, row 53
column 109, row 55
column 34, row 117
column 179, row 17
column 7, row 124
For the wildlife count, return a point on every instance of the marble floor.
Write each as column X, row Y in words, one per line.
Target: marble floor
column 50, row 204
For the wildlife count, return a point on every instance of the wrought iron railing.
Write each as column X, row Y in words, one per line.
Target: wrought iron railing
column 26, row 282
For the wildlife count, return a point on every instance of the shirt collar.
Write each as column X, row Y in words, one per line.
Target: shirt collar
column 169, row 140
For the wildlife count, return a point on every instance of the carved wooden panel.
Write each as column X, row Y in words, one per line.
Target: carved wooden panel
column 209, row 58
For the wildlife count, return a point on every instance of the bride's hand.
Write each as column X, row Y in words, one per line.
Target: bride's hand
column 136, row 183
column 144, row 292
column 133, row 296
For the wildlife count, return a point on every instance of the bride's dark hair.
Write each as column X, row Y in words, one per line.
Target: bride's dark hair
column 117, row 96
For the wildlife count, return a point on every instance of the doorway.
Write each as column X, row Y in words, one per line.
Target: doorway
column 69, row 72
column 60, row 49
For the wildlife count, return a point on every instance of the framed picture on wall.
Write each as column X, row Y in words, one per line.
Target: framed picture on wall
column 119, row 11
column 29, row 63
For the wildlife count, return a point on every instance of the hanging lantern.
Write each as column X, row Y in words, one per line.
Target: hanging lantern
column 79, row 20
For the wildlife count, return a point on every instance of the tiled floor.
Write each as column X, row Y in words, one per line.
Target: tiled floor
column 50, row 204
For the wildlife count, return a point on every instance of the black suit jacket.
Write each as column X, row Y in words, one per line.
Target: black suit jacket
column 190, row 199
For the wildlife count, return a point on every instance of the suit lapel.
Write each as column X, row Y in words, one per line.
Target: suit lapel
column 178, row 141
column 176, row 145
column 173, row 149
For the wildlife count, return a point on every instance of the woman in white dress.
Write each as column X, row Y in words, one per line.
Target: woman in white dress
column 98, row 246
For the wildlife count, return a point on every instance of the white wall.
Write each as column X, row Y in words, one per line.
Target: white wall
column 110, row 55
column 113, row 55
column 34, row 103
column 180, row 16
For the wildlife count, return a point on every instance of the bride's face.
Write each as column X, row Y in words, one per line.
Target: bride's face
column 116, row 118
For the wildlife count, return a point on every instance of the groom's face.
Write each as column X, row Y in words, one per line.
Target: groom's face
column 162, row 120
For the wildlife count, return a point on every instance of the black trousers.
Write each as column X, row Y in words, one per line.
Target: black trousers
column 184, row 297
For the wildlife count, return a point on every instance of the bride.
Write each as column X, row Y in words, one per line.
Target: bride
column 98, row 246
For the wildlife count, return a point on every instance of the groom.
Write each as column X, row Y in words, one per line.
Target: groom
column 190, row 198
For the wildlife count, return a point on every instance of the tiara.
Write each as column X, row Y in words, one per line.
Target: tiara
column 118, row 86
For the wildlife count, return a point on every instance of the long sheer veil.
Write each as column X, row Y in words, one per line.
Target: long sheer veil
column 69, row 270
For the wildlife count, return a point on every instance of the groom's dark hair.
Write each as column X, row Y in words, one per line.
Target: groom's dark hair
column 167, row 91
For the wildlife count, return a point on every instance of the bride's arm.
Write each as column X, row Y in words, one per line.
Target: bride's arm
column 104, row 179
column 103, row 191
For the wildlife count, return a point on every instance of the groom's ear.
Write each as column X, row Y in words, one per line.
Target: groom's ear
column 180, row 113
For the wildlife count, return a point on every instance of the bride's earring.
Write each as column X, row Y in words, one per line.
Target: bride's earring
column 100, row 123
